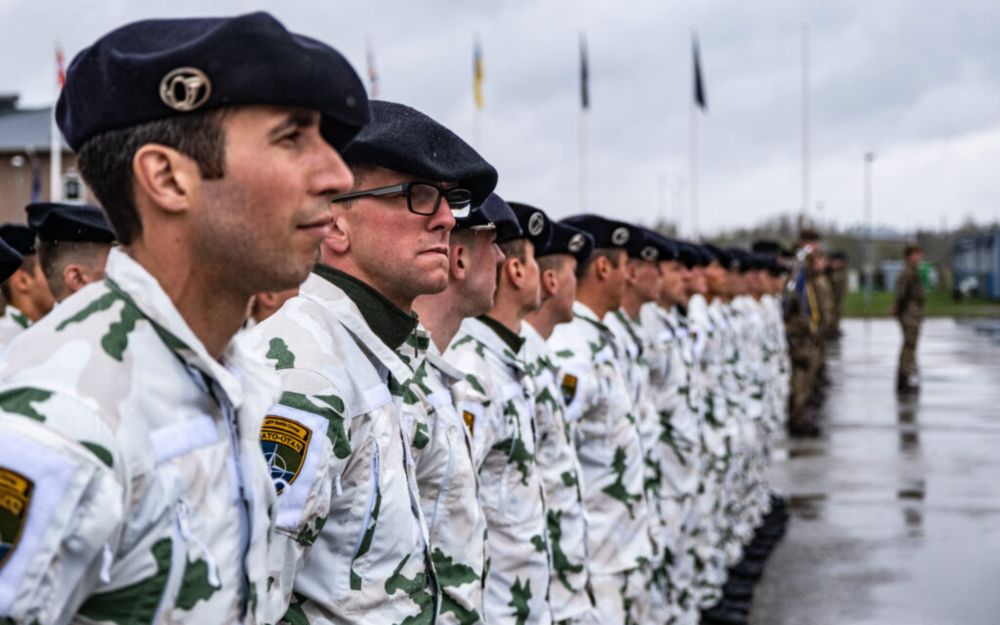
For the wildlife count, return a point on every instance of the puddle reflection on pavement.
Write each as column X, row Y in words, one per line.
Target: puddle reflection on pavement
column 896, row 508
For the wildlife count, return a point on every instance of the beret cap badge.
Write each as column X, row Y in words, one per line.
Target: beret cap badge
column 536, row 223
column 576, row 243
column 620, row 236
column 185, row 89
column 649, row 253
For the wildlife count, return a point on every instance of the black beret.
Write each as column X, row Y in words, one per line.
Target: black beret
column 535, row 224
column 838, row 255
column 155, row 69
column 739, row 260
column 667, row 249
column 493, row 214
column 405, row 140
column 717, row 254
column 68, row 222
column 19, row 237
column 694, row 255
column 10, row 260
column 567, row 239
column 609, row 233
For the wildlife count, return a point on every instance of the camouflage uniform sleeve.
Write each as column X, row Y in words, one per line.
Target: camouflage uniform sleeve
column 61, row 505
column 479, row 414
column 305, row 443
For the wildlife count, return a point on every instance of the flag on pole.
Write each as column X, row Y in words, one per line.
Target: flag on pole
column 477, row 73
column 584, row 74
column 699, row 86
column 60, row 68
column 55, row 141
column 373, row 82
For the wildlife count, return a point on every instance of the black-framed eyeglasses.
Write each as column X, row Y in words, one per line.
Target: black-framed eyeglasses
column 422, row 198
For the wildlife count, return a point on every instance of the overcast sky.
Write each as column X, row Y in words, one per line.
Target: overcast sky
column 914, row 81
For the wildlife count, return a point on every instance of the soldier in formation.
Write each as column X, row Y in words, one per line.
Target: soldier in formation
column 449, row 409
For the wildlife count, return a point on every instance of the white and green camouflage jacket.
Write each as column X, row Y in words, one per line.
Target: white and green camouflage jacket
column 607, row 442
column 449, row 486
column 635, row 361
column 12, row 323
column 495, row 399
column 569, row 587
column 348, row 509
column 132, row 489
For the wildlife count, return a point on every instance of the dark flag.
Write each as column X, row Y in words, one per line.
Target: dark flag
column 584, row 74
column 699, row 86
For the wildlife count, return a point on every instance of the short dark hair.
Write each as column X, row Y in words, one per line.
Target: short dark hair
column 911, row 248
column 552, row 262
column 809, row 234
column 613, row 254
column 55, row 255
column 106, row 161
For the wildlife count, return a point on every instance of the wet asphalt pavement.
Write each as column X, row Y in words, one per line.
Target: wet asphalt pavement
column 896, row 508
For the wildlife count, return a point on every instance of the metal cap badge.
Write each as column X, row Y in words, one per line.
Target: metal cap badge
column 620, row 236
column 185, row 89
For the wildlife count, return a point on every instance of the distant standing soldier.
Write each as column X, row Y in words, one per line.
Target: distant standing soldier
column 909, row 309
column 838, row 279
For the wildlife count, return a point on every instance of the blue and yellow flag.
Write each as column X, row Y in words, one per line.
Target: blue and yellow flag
column 477, row 73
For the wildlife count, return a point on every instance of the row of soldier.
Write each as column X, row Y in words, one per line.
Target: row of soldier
column 468, row 412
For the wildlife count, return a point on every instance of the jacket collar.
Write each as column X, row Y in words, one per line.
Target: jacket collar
column 130, row 281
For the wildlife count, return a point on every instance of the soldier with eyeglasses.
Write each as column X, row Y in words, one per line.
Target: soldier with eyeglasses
column 348, row 350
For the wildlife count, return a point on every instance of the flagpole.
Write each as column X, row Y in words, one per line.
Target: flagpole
column 805, row 118
column 55, row 140
column 584, row 106
column 583, row 160
column 693, row 167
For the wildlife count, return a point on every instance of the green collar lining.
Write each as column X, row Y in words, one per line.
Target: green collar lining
column 386, row 320
column 513, row 341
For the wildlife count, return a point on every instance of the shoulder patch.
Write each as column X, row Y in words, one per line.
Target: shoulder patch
column 15, row 499
column 470, row 422
column 285, row 443
column 569, row 382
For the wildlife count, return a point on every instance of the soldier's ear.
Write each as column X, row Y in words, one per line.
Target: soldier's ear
column 338, row 239
column 73, row 278
column 458, row 261
column 549, row 282
column 167, row 179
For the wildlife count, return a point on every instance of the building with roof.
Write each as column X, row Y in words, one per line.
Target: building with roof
column 977, row 262
column 25, row 159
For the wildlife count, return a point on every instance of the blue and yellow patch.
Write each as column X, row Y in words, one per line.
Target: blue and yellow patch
column 15, row 500
column 569, row 387
column 285, row 443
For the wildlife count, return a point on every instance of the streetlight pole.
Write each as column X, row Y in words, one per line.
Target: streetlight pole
column 869, row 255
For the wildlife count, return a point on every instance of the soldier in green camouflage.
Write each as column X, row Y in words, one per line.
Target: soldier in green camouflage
column 908, row 308
column 642, row 284
column 600, row 409
column 446, row 474
column 347, row 352
column 133, row 487
column 570, row 593
column 497, row 400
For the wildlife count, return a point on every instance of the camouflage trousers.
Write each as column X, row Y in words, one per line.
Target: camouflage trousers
column 908, row 353
column 806, row 359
